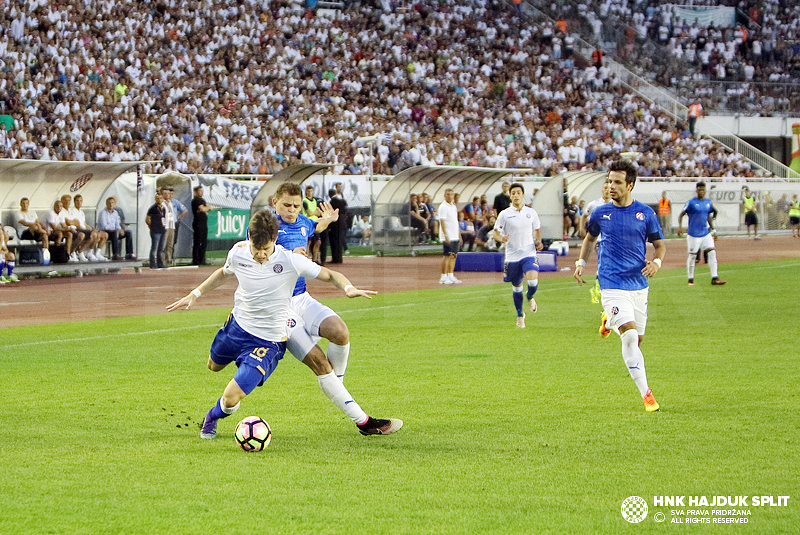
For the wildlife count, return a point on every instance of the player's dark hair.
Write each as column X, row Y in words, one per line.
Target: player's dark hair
column 700, row 185
column 516, row 185
column 288, row 188
column 627, row 167
column 263, row 229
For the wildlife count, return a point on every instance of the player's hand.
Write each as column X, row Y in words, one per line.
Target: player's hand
column 539, row 246
column 680, row 231
column 504, row 239
column 300, row 250
column 577, row 275
column 355, row 292
column 650, row 269
column 185, row 302
column 328, row 213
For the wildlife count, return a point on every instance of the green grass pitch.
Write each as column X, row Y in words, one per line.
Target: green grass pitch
column 506, row 431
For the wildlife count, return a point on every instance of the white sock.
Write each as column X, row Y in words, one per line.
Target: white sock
column 337, row 355
column 690, row 260
column 451, row 276
column 712, row 263
column 229, row 410
column 634, row 359
column 334, row 389
column 444, row 277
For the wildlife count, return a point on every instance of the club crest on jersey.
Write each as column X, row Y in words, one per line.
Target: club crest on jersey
column 614, row 311
column 303, row 231
column 528, row 216
column 277, row 268
column 640, row 216
column 291, row 322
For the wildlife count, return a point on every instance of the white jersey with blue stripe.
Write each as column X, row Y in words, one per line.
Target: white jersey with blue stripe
column 261, row 301
column 698, row 211
column 621, row 255
column 294, row 235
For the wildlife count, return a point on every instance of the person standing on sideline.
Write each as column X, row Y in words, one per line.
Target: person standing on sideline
column 254, row 335
column 750, row 217
column 700, row 233
column 310, row 205
column 695, row 112
column 337, row 228
column 200, row 209
column 502, row 200
column 155, row 222
column 450, row 236
column 794, row 216
column 664, row 213
column 344, row 224
column 519, row 228
column 623, row 269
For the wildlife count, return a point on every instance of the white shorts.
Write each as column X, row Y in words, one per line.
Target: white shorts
column 302, row 330
column 623, row 306
column 699, row 244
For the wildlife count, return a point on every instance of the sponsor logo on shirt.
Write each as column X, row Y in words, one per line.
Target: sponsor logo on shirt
column 277, row 268
column 607, row 216
column 245, row 265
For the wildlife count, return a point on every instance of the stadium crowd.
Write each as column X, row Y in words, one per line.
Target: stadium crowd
column 251, row 87
column 761, row 50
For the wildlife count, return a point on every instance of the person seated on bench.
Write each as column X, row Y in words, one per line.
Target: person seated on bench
column 420, row 217
column 94, row 240
column 467, row 230
column 484, row 239
column 28, row 225
column 362, row 229
column 7, row 260
column 78, row 237
column 109, row 221
column 60, row 233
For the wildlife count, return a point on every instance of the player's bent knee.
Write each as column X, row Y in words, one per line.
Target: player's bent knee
column 627, row 327
column 333, row 328
column 213, row 366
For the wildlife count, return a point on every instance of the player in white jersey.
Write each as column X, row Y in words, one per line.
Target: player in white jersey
column 623, row 269
column 254, row 336
column 605, row 197
column 519, row 228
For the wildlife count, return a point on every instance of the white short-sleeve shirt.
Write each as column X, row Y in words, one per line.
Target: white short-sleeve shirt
column 261, row 302
column 448, row 221
column 519, row 226
column 55, row 220
column 76, row 214
column 29, row 217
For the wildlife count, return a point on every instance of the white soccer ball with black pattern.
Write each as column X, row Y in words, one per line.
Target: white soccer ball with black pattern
column 253, row 434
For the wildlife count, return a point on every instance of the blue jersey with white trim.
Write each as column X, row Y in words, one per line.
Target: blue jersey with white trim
column 698, row 211
column 294, row 235
column 621, row 255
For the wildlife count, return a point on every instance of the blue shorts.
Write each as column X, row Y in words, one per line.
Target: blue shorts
column 255, row 357
column 450, row 248
column 514, row 272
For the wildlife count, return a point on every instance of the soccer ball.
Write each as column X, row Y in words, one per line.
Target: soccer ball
column 253, row 434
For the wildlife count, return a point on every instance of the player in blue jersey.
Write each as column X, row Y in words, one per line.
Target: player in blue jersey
column 254, row 336
column 700, row 234
column 518, row 227
column 310, row 320
column 623, row 269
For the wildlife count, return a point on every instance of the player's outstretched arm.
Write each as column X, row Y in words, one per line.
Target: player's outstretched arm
column 215, row 280
column 327, row 215
column 341, row 282
column 586, row 248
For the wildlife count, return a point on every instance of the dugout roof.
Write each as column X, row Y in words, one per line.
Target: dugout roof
column 294, row 173
column 42, row 182
column 434, row 179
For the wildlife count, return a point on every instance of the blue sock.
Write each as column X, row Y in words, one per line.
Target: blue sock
column 518, row 301
column 2, row 265
column 216, row 412
column 532, row 287
column 10, row 266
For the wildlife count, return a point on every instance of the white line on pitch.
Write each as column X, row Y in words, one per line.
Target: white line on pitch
column 114, row 335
